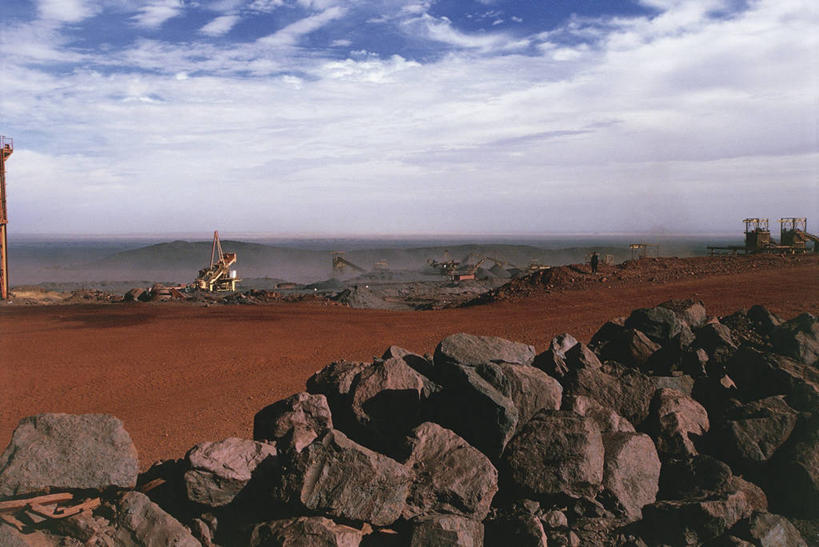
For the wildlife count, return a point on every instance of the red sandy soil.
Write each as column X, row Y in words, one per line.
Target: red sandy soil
column 180, row 374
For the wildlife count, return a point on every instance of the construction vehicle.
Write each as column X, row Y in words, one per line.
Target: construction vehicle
column 339, row 263
column 793, row 237
column 218, row 276
column 467, row 272
column 6, row 149
column 446, row 266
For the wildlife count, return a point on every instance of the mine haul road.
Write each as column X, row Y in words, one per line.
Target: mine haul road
column 180, row 374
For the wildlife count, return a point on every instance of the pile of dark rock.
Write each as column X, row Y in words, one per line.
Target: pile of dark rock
column 668, row 428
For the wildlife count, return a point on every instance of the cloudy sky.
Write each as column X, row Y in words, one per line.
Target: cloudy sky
column 409, row 116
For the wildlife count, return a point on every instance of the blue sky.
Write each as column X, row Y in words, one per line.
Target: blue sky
column 394, row 116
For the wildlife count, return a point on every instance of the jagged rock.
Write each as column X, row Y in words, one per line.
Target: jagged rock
column 626, row 391
column 693, row 477
column 768, row 530
column 631, row 347
column 558, row 452
column 695, row 521
column 659, row 324
column 690, row 311
column 219, row 471
column 684, row 384
column 581, row 356
column 341, row 478
column 529, row 388
column 551, row 363
column 764, row 321
column 85, row 528
column 758, row 375
column 607, row 420
column 675, row 423
column 202, row 532
column 554, row 519
column 749, row 434
column 335, row 380
column 296, row 420
column 304, row 532
column 387, row 400
column 794, row 471
column 422, row 365
column 66, row 451
column 714, row 393
column 715, row 336
column 562, row 343
column 470, row 349
column 471, row 407
column 798, row 338
column 139, row 521
column 608, row 332
column 631, row 471
column 450, row 475
column 441, row 530
column 522, row 530
column 694, row 362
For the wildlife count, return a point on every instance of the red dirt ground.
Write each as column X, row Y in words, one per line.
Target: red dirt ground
column 180, row 374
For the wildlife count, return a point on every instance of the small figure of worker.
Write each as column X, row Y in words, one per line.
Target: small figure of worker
column 595, row 259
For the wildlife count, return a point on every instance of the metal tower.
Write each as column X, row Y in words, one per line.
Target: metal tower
column 6, row 148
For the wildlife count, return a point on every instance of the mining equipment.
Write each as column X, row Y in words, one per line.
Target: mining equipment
column 381, row 266
column 446, row 266
column 467, row 272
column 339, row 263
column 6, row 148
column 218, row 276
column 793, row 237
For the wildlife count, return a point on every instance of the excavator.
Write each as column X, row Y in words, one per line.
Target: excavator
column 218, row 276
column 447, row 266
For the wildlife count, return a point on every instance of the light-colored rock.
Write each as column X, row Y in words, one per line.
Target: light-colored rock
column 631, row 471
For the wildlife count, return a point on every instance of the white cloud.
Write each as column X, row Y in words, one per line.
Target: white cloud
column 442, row 30
column 220, row 26
column 698, row 121
column 154, row 14
column 292, row 33
column 67, row 11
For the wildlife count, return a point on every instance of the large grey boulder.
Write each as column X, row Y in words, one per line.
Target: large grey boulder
column 470, row 349
column 335, row 381
column 677, row 422
column 607, row 420
column 630, row 347
column 793, row 471
column 750, row 434
column 446, row 530
column 557, row 453
column 450, row 476
column 296, row 420
column 474, row 409
column 692, row 312
column 529, row 388
column 423, row 365
column 581, row 356
column 631, row 472
column 798, row 338
column 758, row 375
column 304, row 532
column 343, row 479
column 219, row 471
column 622, row 389
column 139, row 521
column 768, row 530
column 387, row 401
column 68, row 451
column 660, row 324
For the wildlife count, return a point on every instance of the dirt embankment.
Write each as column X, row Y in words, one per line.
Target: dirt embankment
column 181, row 374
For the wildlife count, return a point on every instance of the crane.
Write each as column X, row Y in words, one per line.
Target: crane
column 218, row 276
column 6, row 148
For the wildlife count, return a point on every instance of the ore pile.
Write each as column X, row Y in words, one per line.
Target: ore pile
column 668, row 428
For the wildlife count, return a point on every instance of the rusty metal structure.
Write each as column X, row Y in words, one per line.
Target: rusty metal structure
column 641, row 250
column 6, row 149
column 793, row 237
column 340, row 263
column 218, row 276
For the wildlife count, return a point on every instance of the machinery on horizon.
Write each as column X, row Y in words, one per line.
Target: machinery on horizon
column 6, row 149
column 447, row 266
column 339, row 263
column 218, row 277
column 793, row 237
